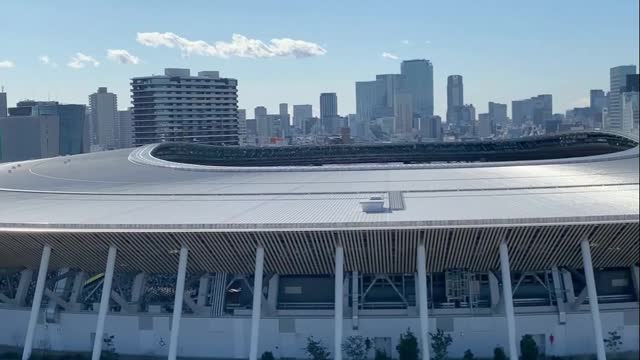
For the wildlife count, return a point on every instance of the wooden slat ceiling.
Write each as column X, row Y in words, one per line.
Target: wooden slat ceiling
column 312, row 252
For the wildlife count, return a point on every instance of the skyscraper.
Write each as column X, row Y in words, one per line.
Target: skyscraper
column 390, row 86
column 284, row 119
column 431, row 128
column 202, row 108
column 242, row 126
column 403, row 114
column 455, row 99
column 103, row 106
column 498, row 114
column 300, row 114
column 417, row 80
column 125, row 140
column 629, row 110
column 597, row 100
column 617, row 81
column 3, row 104
column 370, row 99
column 485, row 125
column 329, row 112
column 537, row 109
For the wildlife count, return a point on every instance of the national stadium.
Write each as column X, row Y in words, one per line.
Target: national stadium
column 186, row 250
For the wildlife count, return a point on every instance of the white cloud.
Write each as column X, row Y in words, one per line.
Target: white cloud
column 427, row 41
column 122, row 56
column 44, row 59
column 390, row 56
column 240, row 46
column 6, row 64
column 405, row 42
column 80, row 60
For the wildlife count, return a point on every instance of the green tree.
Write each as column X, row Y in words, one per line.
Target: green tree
column 498, row 354
column 468, row 355
column 408, row 346
column 316, row 350
column 267, row 355
column 356, row 347
column 440, row 343
column 529, row 348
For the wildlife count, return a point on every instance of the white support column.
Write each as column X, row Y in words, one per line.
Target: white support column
column 104, row 303
column 78, row 285
column 494, row 288
column 137, row 288
column 37, row 300
column 559, row 294
column 567, row 281
column 257, row 304
column 355, row 288
column 177, row 304
column 272, row 293
column 203, row 289
column 422, row 300
column 26, row 276
column 338, row 310
column 508, row 300
column 593, row 299
column 635, row 277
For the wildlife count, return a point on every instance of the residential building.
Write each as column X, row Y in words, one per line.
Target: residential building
column 329, row 113
column 242, row 126
column 177, row 106
column 125, row 139
column 103, row 123
column 417, row 81
column 617, row 82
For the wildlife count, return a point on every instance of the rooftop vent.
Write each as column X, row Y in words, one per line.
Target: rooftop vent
column 374, row 204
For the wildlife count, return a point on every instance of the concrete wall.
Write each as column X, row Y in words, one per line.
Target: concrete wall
column 229, row 337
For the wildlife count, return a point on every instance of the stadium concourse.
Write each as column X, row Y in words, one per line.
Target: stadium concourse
column 190, row 250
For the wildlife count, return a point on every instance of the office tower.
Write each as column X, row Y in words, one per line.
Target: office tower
column 629, row 110
column 259, row 112
column 597, row 99
column 242, row 126
column 390, row 86
column 329, row 112
column 455, row 99
column 3, row 104
column 498, row 114
column 370, row 99
column 521, row 112
column 468, row 115
column 632, row 83
column 284, row 119
column 202, row 108
column 485, row 125
column 29, row 137
column 73, row 123
column 264, row 127
column 103, row 107
column 417, row 81
column 300, row 114
column 537, row 109
column 125, row 140
column 617, row 81
column 403, row 114
column 431, row 128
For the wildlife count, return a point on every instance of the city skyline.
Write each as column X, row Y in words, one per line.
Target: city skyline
column 296, row 72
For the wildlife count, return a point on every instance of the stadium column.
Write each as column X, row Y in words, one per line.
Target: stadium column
column 635, row 276
column 177, row 303
column 354, row 300
column 37, row 299
column 422, row 299
column 593, row 298
column 257, row 304
column 508, row 300
column 338, row 296
column 104, row 303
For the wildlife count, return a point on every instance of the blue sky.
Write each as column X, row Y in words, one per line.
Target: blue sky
column 505, row 50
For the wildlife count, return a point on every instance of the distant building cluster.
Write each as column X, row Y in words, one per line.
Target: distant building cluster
column 203, row 108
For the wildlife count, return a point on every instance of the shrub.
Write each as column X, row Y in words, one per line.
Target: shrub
column 529, row 348
column 468, row 355
column 408, row 346
column 356, row 347
column 613, row 342
column 267, row 355
column 498, row 354
column 440, row 343
column 316, row 349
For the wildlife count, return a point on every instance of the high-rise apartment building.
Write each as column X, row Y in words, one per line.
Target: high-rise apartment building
column 617, row 82
column 455, row 99
column 301, row 113
column 104, row 124
column 179, row 107
column 417, row 80
column 242, row 126
column 125, row 140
